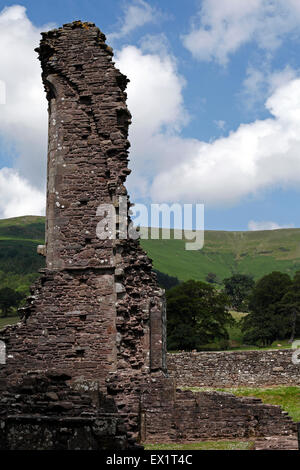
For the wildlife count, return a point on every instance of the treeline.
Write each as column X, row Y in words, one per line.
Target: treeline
column 9, row 300
column 198, row 313
column 19, row 257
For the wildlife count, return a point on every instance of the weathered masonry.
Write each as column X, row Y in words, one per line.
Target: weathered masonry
column 234, row 368
column 97, row 309
column 86, row 366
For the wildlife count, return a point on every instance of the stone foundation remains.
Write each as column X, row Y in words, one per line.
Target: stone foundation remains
column 86, row 366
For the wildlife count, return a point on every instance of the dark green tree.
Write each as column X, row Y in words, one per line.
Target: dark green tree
column 265, row 322
column 165, row 281
column 239, row 287
column 196, row 315
column 9, row 298
column 211, row 278
column 289, row 308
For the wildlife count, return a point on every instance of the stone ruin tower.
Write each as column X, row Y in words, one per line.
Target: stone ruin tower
column 86, row 366
column 95, row 322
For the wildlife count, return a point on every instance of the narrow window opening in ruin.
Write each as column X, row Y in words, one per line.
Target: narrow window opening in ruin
column 122, row 81
column 80, row 352
column 122, row 117
column 78, row 67
column 51, row 92
column 83, row 201
column 82, row 317
column 86, row 100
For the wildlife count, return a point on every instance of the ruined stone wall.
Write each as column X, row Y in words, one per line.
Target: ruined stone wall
column 234, row 368
column 42, row 412
column 176, row 416
column 97, row 308
column 96, row 313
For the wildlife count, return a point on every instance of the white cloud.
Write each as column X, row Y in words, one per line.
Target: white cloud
column 156, row 104
column 260, row 155
column 220, row 124
column 222, row 27
column 253, row 225
column 262, row 82
column 136, row 14
column 257, row 156
column 23, row 119
column 167, row 167
column 18, row 196
column 155, row 44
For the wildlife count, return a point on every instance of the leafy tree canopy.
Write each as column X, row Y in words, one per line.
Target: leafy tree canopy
column 238, row 287
column 165, row 281
column 289, row 308
column 9, row 298
column 211, row 278
column 196, row 315
column 266, row 321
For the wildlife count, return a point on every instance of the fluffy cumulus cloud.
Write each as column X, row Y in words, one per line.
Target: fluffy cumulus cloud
column 23, row 115
column 259, row 155
column 156, row 104
column 136, row 14
column 167, row 167
column 222, row 27
column 253, row 225
column 262, row 82
column 18, row 197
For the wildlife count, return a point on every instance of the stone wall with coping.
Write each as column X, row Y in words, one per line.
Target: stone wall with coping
column 257, row 368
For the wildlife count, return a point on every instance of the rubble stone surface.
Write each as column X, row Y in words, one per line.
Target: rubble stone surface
column 234, row 368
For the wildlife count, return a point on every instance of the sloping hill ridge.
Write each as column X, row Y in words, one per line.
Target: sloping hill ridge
column 19, row 262
column 256, row 253
column 251, row 252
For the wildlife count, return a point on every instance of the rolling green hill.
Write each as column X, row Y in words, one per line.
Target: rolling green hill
column 224, row 253
column 19, row 262
column 256, row 253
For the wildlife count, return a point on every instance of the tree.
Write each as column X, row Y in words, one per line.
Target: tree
column 265, row 322
column 238, row 288
column 165, row 281
column 289, row 307
column 196, row 315
column 211, row 278
column 9, row 298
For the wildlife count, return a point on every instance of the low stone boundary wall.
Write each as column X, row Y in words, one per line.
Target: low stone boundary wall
column 234, row 368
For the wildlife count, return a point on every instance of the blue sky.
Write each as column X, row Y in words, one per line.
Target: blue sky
column 214, row 93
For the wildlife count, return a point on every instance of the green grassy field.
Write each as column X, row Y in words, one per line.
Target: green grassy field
column 9, row 321
column 205, row 445
column 19, row 262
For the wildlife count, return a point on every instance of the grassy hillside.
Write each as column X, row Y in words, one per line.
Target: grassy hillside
column 19, row 262
column 257, row 253
column 224, row 253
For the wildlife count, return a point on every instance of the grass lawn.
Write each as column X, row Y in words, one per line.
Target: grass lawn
column 204, row 445
column 287, row 397
column 8, row 321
